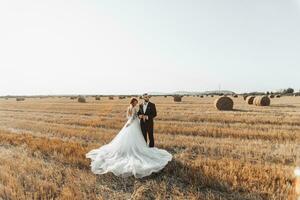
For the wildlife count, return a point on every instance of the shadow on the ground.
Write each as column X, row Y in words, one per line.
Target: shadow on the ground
column 182, row 176
column 283, row 106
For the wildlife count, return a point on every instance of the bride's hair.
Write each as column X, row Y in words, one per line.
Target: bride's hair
column 133, row 100
column 129, row 110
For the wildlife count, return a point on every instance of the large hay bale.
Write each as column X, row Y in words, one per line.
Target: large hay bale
column 177, row 98
column 97, row 98
column 111, row 98
column 20, row 99
column 81, row 99
column 255, row 100
column 272, row 96
column 278, row 96
column 224, row 103
column 262, row 101
column 201, row 96
column 245, row 97
column 250, row 100
column 235, row 96
column 73, row 98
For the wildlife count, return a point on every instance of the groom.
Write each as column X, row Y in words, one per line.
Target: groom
column 147, row 113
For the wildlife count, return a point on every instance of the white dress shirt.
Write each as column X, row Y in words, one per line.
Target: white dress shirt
column 145, row 104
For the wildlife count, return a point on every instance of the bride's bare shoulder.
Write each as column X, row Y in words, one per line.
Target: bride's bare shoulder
column 129, row 108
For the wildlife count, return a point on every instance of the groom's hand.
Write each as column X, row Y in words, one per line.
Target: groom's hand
column 146, row 117
column 140, row 116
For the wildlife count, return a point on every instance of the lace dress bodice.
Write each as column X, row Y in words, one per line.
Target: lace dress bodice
column 132, row 114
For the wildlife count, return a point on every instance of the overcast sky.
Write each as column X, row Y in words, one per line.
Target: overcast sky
column 135, row 46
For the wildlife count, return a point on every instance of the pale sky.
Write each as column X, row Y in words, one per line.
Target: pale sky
column 136, row 46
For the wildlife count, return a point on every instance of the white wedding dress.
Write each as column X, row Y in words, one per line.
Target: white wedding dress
column 128, row 153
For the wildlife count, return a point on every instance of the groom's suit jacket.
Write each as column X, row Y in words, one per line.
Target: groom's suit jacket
column 150, row 111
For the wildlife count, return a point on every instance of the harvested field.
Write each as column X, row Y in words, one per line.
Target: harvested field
column 247, row 153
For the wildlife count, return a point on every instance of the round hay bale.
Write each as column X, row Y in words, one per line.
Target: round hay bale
column 235, row 96
column 272, row 96
column 111, row 98
column 224, row 103
column 211, row 95
column 177, row 98
column 81, row 99
column 97, row 98
column 262, row 101
column 245, row 97
column 201, row 96
column 250, row 100
column 73, row 98
column 255, row 100
column 20, row 99
column 166, row 96
column 278, row 96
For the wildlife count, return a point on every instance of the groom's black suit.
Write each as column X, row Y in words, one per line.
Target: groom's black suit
column 147, row 126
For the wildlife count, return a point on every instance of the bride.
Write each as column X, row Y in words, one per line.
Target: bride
column 128, row 153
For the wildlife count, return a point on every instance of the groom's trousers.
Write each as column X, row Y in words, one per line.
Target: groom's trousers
column 147, row 129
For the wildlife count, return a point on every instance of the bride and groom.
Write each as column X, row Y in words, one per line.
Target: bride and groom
column 128, row 153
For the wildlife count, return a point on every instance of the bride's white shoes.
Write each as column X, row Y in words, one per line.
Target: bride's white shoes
column 128, row 154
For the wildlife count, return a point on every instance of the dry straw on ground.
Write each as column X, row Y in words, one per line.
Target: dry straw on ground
column 249, row 153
